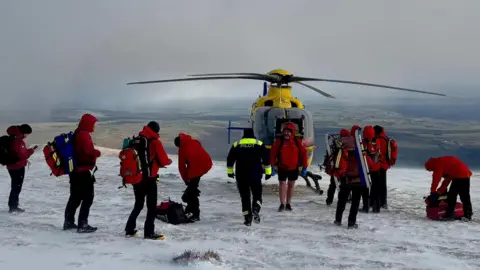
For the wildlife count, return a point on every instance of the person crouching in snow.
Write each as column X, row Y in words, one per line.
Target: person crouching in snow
column 289, row 155
column 157, row 158
column 251, row 159
column 82, row 179
column 350, row 180
column 193, row 163
column 373, row 151
column 455, row 171
column 16, row 168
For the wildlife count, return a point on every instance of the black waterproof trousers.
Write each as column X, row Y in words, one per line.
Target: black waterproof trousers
column 81, row 192
column 342, row 202
column 382, row 187
column 459, row 187
column 376, row 190
column 247, row 187
column 365, row 196
column 145, row 189
column 331, row 190
column 190, row 197
column 17, row 177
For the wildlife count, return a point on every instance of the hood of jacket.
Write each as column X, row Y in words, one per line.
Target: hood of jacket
column 291, row 127
column 15, row 131
column 184, row 138
column 352, row 131
column 368, row 133
column 87, row 123
column 431, row 164
column 148, row 133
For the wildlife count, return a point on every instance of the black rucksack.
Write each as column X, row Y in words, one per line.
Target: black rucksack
column 172, row 212
column 7, row 156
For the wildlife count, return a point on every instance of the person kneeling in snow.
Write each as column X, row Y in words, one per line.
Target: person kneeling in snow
column 455, row 171
column 193, row 163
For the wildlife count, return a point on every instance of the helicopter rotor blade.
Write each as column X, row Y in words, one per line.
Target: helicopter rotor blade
column 266, row 77
column 325, row 94
column 200, row 79
column 298, row 79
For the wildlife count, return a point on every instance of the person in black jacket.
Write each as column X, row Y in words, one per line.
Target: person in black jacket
column 251, row 160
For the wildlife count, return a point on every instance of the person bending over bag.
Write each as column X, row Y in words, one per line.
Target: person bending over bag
column 193, row 163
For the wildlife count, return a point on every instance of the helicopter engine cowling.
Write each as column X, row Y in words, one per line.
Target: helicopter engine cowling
column 268, row 122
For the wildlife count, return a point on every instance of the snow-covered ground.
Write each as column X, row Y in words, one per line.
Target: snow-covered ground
column 303, row 239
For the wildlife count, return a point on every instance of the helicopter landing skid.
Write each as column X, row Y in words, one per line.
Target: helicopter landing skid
column 315, row 178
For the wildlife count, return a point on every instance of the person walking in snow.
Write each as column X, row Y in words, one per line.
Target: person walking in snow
column 251, row 160
column 350, row 180
column 388, row 157
column 193, row 162
column 19, row 154
column 82, row 178
column 149, row 139
column 289, row 156
column 371, row 197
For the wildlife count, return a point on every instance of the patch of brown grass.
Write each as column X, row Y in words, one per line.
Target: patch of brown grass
column 189, row 256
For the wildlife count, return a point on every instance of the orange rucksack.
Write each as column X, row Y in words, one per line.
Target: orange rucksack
column 134, row 163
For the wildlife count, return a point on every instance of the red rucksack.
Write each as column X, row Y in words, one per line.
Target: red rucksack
column 134, row 161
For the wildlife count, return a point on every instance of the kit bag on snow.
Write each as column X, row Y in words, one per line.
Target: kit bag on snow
column 7, row 156
column 59, row 154
column 134, row 160
column 171, row 212
column 437, row 212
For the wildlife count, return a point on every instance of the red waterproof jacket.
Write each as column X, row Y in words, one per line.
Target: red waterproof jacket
column 292, row 154
column 449, row 167
column 19, row 148
column 371, row 147
column 157, row 155
column 193, row 160
column 349, row 158
column 383, row 144
column 86, row 153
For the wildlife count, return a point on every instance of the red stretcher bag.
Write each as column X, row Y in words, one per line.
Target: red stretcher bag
column 438, row 213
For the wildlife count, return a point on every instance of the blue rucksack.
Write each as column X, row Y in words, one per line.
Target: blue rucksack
column 60, row 155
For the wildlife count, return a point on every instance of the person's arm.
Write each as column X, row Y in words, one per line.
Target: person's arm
column 85, row 140
column 161, row 155
column 231, row 159
column 182, row 164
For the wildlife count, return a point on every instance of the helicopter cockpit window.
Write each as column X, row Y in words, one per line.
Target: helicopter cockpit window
column 268, row 103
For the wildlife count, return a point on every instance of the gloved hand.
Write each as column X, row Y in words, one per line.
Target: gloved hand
column 433, row 198
column 231, row 175
column 274, row 171
column 169, row 162
column 158, row 178
column 267, row 176
column 303, row 172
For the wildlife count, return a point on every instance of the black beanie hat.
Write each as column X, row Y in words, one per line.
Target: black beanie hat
column 154, row 126
column 177, row 141
column 25, row 129
column 378, row 129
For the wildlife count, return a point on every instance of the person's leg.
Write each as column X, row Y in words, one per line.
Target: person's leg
column 365, row 199
column 382, row 189
column 452, row 199
column 151, row 193
column 243, row 186
column 292, row 178
column 74, row 201
column 464, row 192
column 376, row 190
column 352, row 217
column 331, row 190
column 88, row 194
column 139, row 192
column 17, row 177
column 256, row 188
column 282, row 178
column 341, row 203
column 190, row 196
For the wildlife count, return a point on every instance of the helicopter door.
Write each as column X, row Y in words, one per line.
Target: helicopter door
column 264, row 125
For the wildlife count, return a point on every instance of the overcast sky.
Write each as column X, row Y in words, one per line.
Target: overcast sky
column 57, row 52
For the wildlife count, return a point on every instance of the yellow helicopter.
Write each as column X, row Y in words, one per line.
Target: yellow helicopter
column 277, row 107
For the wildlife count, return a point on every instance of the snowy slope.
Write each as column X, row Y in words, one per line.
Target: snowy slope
column 303, row 239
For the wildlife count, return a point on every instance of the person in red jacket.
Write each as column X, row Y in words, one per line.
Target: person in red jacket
column 147, row 188
column 373, row 151
column 82, row 178
column 333, row 168
column 193, row 162
column 350, row 181
column 17, row 168
column 388, row 157
column 455, row 171
column 289, row 155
